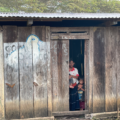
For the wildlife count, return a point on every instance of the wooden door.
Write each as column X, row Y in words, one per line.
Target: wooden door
column 60, row 74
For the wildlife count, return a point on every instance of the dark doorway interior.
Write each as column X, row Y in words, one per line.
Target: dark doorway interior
column 76, row 48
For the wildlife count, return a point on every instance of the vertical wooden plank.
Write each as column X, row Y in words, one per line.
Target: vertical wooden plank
column 59, row 64
column 11, row 72
column 26, row 72
column 99, row 71
column 60, row 74
column 40, row 71
column 49, row 81
column 91, row 69
column 118, row 67
column 111, row 69
column 86, row 73
column 2, row 108
column 65, row 75
column 54, row 75
column 40, row 32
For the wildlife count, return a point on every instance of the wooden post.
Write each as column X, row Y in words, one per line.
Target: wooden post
column 49, row 81
column 91, row 70
column 2, row 108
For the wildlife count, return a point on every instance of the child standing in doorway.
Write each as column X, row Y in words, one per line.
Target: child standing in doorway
column 81, row 93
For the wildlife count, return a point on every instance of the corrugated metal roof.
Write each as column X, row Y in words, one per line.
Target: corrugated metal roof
column 63, row 15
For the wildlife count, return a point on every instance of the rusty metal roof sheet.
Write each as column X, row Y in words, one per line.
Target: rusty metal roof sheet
column 63, row 15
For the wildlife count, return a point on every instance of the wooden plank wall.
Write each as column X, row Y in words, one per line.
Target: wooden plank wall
column 49, row 81
column 118, row 68
column 111, row 69
column 86, row 73
column 40, row 73
column 11, row 72
column 27, row 60
column 24, row 65
column 91, row 70
column 59, row 74
column 99, row 68
column 2, row 108
column 25, row 73
column 104, row 69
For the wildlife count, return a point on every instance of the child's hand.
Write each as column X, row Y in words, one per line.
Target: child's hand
column 71, row 86
column 82, row 89
column 79, row 87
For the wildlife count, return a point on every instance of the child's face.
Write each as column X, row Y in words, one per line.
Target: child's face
column 81, row 81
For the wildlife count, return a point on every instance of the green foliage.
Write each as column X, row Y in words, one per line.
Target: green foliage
column 4, row 9
column 64, row 6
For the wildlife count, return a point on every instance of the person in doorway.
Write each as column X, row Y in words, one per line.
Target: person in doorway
column 73, row 85
column 81, row 94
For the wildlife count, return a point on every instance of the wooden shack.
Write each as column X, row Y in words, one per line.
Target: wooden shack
column 34, row 63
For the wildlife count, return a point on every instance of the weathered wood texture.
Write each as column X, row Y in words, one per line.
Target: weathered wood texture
column 25, row 72
column 49, row 81
column 118, row 68
column 69, row 29
column 70, row 113
column 11, row 72
column 91, row 70
column 2, row 108
column 86, row 73
column 46, row 63
column 60, row 74
column 104, row 69
column 54, row 75
column 111, row 74
column 40, row 71
column 70, row 36
column 65, row 77
column 99, row 71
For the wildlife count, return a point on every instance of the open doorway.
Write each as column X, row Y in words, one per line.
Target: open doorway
column 76, row 53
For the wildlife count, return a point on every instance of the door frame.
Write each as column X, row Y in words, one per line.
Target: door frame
column 75, row 33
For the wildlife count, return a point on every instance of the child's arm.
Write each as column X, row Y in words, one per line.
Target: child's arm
column 71, row 86
column 82, row 89
column 72, row 76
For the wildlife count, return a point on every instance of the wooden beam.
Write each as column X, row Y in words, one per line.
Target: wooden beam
column 101, row 115
column 67, row 37
column 64, row 113
column 80, row 34
column 38, row 118
column 29, row 22
column 69, row 29
column 2, row 108
column 109, row 23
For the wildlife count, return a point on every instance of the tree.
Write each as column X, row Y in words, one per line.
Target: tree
column 67, row 6
column 94, row 6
